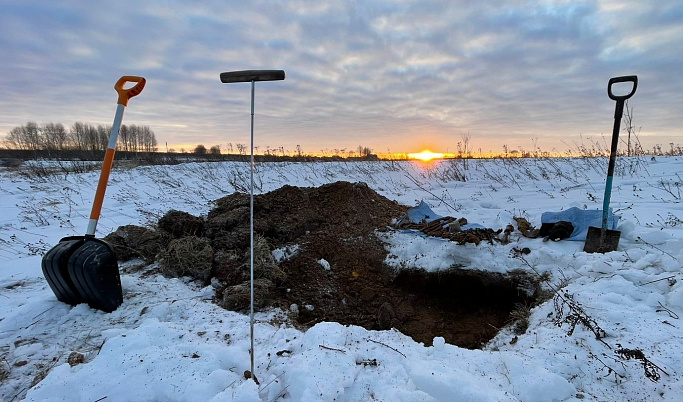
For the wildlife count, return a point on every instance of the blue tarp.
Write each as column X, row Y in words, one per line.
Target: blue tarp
column 581, row 219
column 418, row 214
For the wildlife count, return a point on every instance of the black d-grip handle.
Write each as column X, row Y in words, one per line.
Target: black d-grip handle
column 626, row 78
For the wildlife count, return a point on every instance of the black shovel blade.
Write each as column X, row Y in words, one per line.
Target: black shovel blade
column 90, row 269
column 56, row 272
column 95, row 273
column 600, row 240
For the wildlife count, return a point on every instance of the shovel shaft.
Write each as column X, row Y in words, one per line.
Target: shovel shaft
column 106, row 170
column 124, row 95
column 619, row 110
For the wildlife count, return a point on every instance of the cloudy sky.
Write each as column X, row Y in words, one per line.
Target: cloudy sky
column 394, row 76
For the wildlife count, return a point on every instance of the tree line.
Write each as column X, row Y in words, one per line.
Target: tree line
column 79, row 137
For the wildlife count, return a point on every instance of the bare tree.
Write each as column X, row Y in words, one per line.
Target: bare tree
column 102, row 137
column 80, row 136
column 631, row 144
column 55, row 136
column 14, row 139
column 135, row 138
column 20, row 138
column 124, row 138
column 77, row 136
column 466, row 148
column 215, row 150
column 148, row 140
column 85, row 137
column 364, row 151
column 33, row 136
column 200, row 149
column 92, row 138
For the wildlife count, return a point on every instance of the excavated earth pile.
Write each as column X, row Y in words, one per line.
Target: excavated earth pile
column 317, row 256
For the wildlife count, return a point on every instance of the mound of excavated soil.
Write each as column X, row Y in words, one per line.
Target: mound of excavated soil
column 335, row 269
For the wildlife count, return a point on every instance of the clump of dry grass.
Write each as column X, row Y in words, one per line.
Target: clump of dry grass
column 188, row 256
column 266, row 275
column 264, row 263
column 237, row 297
column 520, row 317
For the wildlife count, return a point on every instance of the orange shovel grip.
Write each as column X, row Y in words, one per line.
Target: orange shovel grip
column 125, row 94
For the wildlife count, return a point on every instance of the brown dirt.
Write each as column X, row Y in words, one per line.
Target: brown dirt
column 337, row 222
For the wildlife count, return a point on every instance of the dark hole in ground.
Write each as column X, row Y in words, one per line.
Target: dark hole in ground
column 466, row 307
column 337, row 223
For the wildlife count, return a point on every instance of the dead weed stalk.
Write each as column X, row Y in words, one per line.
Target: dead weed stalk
column 569, row 311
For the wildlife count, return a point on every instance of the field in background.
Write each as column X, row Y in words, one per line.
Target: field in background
column 58, row 192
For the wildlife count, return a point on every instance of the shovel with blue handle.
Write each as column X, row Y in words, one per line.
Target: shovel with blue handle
column 602, row 239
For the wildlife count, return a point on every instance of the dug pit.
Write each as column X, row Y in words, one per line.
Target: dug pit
column 317, row 256
column 466, row 307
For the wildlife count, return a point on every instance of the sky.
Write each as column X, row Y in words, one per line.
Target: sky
column 394, row 76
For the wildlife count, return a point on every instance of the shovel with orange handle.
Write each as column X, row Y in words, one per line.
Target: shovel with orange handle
column 84, row 269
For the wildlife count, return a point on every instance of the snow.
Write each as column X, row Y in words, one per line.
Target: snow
column 169, row 342
column 325, row 264
column 285, row 253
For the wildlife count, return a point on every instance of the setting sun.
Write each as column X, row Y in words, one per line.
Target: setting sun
column 426, row 155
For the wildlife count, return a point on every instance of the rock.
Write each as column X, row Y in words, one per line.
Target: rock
column 75, row 358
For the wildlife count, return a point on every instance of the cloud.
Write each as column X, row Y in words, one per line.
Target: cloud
column 384, row 74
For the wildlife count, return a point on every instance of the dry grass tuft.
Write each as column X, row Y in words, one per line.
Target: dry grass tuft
column 188, row 256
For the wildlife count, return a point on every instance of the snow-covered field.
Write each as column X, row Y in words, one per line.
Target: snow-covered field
column 168, row 342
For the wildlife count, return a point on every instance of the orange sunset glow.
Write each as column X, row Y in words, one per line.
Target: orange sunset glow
column 426, row 155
